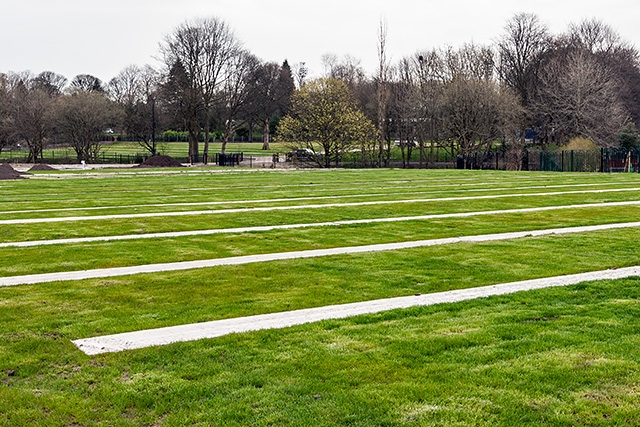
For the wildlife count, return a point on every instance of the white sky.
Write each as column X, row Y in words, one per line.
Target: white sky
column 73, row 37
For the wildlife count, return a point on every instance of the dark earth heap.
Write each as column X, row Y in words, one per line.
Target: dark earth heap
column 160, row 162
column 7, row 172
column 41, row 167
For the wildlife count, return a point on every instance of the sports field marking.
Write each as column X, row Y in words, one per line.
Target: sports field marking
column 315, row 253
column 283, row 208
column 171, row 234
column 218, row 328
column 281, row 200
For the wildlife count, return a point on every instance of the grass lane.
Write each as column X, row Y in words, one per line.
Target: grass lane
column 553, row 357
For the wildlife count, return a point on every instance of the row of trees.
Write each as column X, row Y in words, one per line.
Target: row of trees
column 529, row 87
column 209, row 83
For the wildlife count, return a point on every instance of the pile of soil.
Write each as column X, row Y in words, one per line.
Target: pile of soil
column 160, row 162
column 41, row 167
column 7, row 172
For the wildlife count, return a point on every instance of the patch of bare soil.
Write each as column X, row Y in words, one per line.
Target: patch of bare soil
column 7, row 172
column 41, row 167
column 160, row 162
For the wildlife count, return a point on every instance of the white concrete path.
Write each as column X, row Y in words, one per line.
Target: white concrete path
column 254, row 229
column 247, row 259
column 217, row 328
column 295, row 207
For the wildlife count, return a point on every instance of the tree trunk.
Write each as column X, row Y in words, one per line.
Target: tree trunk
column 265, row 135
column 205, row 156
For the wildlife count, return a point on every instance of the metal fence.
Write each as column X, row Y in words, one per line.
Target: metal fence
column 602, row 160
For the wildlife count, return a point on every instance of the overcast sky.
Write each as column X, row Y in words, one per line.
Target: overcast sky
column 73, row 37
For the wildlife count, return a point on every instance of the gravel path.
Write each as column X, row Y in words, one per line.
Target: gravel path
column 315, row 206
column 172, row 234
column 247, row 259
column 197, row 331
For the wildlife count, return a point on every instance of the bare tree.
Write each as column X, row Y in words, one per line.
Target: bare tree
column 82, row 117
column 579, row 96
column 4, row 111
column 430, row 70
column 31, row 119
column 86, row 83
column 348, row 69
column 300, row 73
column 135, row 90
column 521, row 50
column 383, row 96
column 51, row 83
column 204, row 49
column 235, row 91
column 27, row 113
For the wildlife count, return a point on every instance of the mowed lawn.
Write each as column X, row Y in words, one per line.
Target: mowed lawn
column 564, row 356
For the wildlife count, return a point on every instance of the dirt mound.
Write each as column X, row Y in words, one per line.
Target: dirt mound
column 160, row 162
column 41, row 167
column 7, row 172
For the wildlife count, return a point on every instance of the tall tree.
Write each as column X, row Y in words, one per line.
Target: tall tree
column 31, row 119
column 4, row 111
column 383, row 96
column 521, row 51
column 87, row 83
column 51, row 83
column 203, row 48
column 135, row 90
column 235, row 92
column 271, row 88
column 579, row 97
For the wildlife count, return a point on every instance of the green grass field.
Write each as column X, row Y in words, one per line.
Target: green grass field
column 561, row 357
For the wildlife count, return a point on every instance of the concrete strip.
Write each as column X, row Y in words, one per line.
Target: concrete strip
column 283, row 208
column 254, row 229
column 248, row 259
column 217, row 328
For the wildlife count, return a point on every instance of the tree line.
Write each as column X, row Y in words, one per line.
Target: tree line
column 530, row 87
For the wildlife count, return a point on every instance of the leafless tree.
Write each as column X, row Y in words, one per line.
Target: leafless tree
column 579, row 96
column 235, row 91
column 383, row 96
column 27, row 113
column 430, row 70
column 51, row 83
column 204, row 49
column 135, row 90
column 86, row 83
column 521, row 50
column 4, row 111
column 82, row 117
column 300, row 71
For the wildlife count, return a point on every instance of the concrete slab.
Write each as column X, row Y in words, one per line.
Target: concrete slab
column 207, row 330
